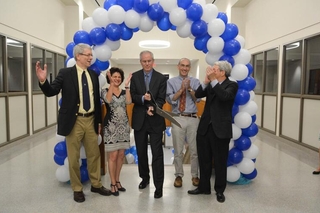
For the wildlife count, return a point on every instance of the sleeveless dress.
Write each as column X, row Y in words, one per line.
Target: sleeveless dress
column 116, row 124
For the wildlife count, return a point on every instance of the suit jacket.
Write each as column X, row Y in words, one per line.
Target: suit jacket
column 157, row 88
column 67, row 83
column 218, row 108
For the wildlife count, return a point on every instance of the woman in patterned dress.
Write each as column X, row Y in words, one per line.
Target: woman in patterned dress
column 116, row 124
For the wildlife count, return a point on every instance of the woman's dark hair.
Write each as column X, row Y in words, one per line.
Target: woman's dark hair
column 114, row 70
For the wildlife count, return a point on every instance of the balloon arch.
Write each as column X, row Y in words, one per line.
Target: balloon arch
column 212, row 34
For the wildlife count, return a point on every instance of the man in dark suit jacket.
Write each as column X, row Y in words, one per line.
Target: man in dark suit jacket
column 215, row 128
column 76, row 122
column 146, row 94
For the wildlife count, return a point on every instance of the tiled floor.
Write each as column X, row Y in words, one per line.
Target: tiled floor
column 284, row 183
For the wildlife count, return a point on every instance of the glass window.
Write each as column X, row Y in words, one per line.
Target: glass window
column 257, row 71
column 313, row 66
column 60, row 62
column 1, row 67
column 16, row 66
column 36, row 55
column 293, row 68
column 50, row 61
column 272, row 71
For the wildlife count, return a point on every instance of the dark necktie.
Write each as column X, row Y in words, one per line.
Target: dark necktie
column 182, row 105
column 147, row 82
column 85, row 92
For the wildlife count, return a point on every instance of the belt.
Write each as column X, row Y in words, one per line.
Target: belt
column 193, row 115
column 85, row 114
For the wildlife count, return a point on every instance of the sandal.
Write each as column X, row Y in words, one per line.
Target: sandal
column 121, row 189
column 116, row 192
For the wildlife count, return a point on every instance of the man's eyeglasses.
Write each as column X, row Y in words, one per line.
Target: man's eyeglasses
column 88, row 55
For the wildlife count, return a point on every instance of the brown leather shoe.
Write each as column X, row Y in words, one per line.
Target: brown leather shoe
column 195, row 181
column 178, row 182
column 102, row 190
column 78, row 197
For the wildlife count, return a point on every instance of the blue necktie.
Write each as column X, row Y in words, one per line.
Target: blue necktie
column 147, row 82
column 85, row 92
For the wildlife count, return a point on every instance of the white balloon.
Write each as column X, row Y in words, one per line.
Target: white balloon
column 82, row 153
column 100, row 17
column 241, row 40
column 116, row 14
column 233, row 174
column 210, row 12
column 236, row 132
column 99, row 136
column 184, row 30
column 239, row 72
column 168, row 5
column 211, row 58
column 66, row 162
column 253, row 138
column 132, row 19
column 88, row 24
column 252, row 94
column 94, row 57
column 71, row 62
column 114, row 45
column 130, row 158
column 177, row 16
column 102, row 82
column 146, row 24
column 246, row 166
column 103, row 52
column 215, row 45
column 60, row 137
column 252, row 152
column 250, row 107
column 216, row 27
column 243, row 57
column 62, row 174
column 231, row 144
column 242, row 120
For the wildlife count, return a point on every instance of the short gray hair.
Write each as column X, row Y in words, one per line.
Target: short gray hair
column 224, row 66
column 79, row 48
column 146, row 51
column 182, row 59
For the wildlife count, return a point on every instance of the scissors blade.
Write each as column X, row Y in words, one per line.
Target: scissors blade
column 168, row 115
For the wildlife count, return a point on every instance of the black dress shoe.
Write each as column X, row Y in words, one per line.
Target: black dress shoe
column 78, row 197
column 197, row 191
column 220, row 197
column 158, row 193
column 316, row 172
column 102, row 190
column 143, row 184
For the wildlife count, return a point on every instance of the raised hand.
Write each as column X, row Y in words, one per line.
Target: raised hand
column 41, row 73
column 127, row 82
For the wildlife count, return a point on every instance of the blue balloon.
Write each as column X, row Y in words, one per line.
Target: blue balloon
column 250, row 68
column 133, row 150
column 229, row 163
column 82, row 36
column 108, row 3
column 230, row 32
column 125, row 4
column 199, row 28
column 164, row 23
column 127, row 151
column 84, row 162
column 102, row 65
column 231, row 47
column 135, row 29
column 173, row 28
column 223, row 16
column 254, row 118
column 141, row 6
column 243, row 143
column 228, row 58
column 235, row 156
column 95, row 68
column 84, row 174
column 235, row 110
column 98, row 35
column 248, row 83
column 66, row 62
column 252, row 175
column 61, row 149
column 59, row 159
column 155, row 12
column 126, row 32
column 60, row 102
column 194, row 12
column 184, row 3
column 200, row 43
column 69, row 49
column 251, row 131
column 242, row 97
column 113, row 32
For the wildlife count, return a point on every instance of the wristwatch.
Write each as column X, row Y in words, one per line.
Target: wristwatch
column 190, row 90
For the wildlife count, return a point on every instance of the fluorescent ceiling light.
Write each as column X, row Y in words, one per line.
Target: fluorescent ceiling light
column 154, row 44
column 293, row 46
